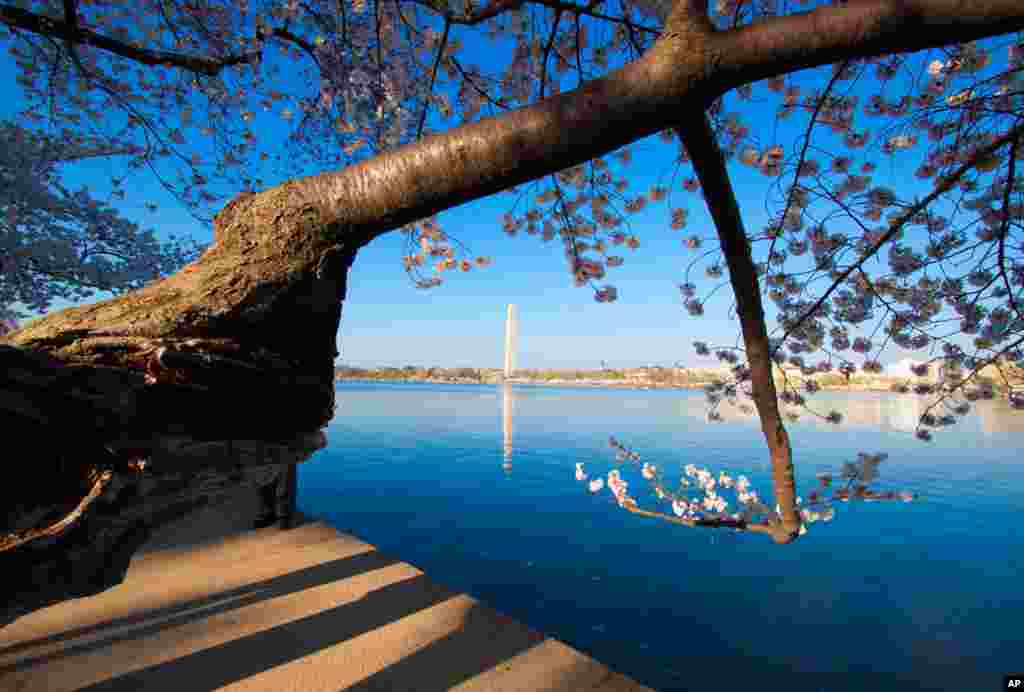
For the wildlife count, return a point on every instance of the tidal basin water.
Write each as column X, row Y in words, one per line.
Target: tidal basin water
column 475, row 485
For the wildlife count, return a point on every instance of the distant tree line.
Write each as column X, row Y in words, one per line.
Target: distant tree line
column 654, row 375
column 412, row 372
column 661, row 376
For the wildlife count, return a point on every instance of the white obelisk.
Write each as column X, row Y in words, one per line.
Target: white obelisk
column 510, row 340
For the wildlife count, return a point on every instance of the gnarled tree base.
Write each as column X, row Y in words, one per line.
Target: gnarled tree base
column 167, row 394
column 181, row 478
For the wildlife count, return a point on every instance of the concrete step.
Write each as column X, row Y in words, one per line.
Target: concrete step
column 242, row 546
column 168, row 586
column 304, row 609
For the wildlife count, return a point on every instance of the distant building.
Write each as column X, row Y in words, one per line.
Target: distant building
column 937, row 370
column 637, row 374
column 788, row 370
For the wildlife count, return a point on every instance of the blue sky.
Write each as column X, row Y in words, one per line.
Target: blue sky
column 387, row 321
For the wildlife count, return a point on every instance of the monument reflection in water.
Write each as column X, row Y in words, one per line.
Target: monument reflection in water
column 511, row 333
column 887, row 596
column 506, row 425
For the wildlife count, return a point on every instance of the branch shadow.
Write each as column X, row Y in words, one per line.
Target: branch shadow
column 247, row 656
column 484, row 640
column 179, row 614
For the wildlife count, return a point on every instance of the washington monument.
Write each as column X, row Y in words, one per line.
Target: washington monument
column 511, row 327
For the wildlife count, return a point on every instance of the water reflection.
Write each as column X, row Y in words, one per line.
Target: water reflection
column 877, row 410
column 410, row 469
column 506, row 425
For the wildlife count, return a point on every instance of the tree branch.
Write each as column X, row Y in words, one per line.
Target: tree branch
column 1004, row 228
column 856, row 29
column 13, row 540
column 803, row 153
column 470, row 19
column 709, row 163
column 589, row 12
column 944, row 186
column 71, row 32
column 547, row 52
column 433, row 77
column 502, row 6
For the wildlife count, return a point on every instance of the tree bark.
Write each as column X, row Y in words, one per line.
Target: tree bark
column 152, row 507
column 243, row 339
column 277, row 266
column 709, row 163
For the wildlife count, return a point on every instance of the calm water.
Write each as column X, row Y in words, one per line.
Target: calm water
column 889, row 595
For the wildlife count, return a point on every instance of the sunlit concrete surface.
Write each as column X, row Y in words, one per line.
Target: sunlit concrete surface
column 302, row 609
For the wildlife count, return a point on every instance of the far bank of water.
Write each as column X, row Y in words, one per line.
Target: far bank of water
column 474, row 485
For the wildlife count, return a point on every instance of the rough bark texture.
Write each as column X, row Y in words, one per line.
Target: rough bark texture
column 241, row 343
column 266, row 297
column 180, row 479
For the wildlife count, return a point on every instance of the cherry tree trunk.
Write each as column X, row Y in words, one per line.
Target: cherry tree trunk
column 189, row 492
column 237, row 349
column 218, row 372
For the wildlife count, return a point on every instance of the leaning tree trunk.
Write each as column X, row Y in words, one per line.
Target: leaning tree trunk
column 229, row 361
column 186, row 491
column 695, row 133
column 242, row 341
column 136, row 411
column 261, row 307
column 240, row 344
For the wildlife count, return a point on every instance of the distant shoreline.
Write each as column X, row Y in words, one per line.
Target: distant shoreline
column 592, row 384
column 652, row 378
